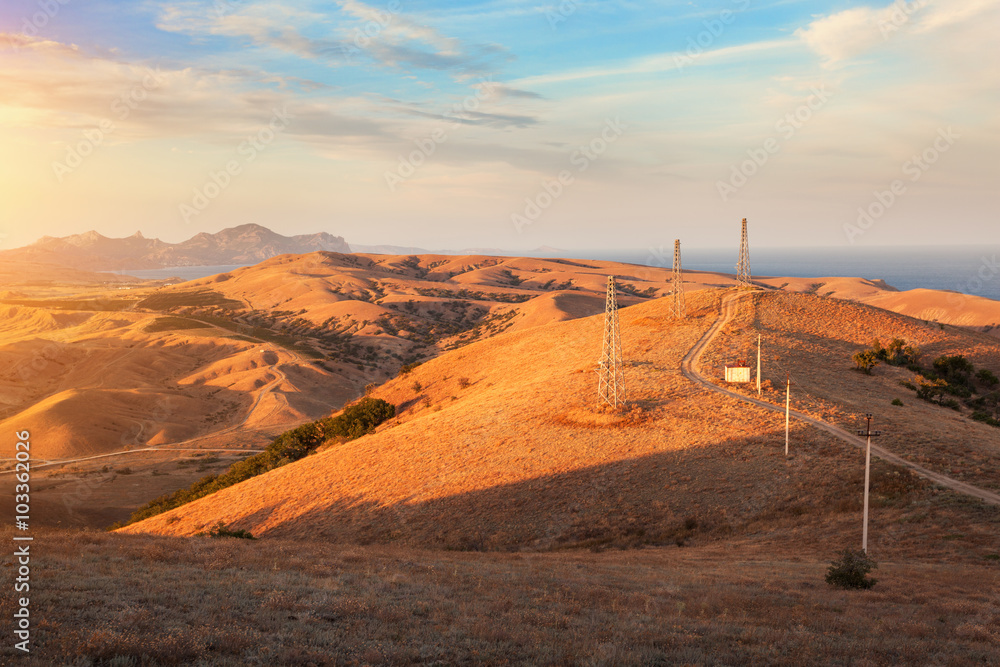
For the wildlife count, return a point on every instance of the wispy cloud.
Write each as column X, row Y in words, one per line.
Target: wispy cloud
column 58, row 86
column 662, row 62
column 382, row 35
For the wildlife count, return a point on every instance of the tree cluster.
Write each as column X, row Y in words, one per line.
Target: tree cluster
column 353, row 422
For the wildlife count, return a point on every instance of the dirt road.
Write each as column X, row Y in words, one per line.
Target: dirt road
column 690, row 367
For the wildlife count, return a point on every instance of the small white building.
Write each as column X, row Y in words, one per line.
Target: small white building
column 737, row 374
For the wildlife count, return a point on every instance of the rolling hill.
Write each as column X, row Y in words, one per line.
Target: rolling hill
column 504, row 517
column 501, row 445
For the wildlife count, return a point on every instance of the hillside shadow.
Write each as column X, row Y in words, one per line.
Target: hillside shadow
column 663, row 498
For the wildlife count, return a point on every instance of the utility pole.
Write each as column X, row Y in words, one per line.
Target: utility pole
column 788, row 406
column 679, row 310
column 743, row 265
column 868, row 432
column 758, row 364
column 611, row 369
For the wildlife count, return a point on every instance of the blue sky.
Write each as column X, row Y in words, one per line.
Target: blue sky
column 503, row 124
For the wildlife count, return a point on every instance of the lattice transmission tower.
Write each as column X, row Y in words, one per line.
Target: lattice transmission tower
column 743, row 266
column 679, row 310
column 611, row 369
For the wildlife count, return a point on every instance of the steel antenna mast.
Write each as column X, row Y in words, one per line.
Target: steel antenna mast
column 743, row 265
column 611, row 369
column 679, row 310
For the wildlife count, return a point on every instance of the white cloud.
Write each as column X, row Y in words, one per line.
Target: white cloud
column 845, row 35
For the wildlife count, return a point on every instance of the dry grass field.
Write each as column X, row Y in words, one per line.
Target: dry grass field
column 109, row 599
column 195, row 356
column 500, row 446
column 97, row 365
column 504, row 517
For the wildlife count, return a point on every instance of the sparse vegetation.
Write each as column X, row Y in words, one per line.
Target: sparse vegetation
column 866, row 360
column 174, row 324
column 898, row 353
column 200, row 298
column 628, row 288
column 220, row 530
column 851, row 570
column 405, row 369
column 949, row 375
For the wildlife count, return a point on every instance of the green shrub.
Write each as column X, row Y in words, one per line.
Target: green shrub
column 407, row 368
column 987, row 378
column 898, row 353
column 220, row 530
column 866, row 360
column 984, row 417
column 851, row 570
column 956, row 370
column 896, row 401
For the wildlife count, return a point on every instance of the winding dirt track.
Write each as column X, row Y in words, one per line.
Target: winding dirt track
column 690, row 367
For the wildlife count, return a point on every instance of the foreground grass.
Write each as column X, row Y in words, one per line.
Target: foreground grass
column 132, row 600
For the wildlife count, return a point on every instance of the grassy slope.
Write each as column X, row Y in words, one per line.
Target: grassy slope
column 518, row 460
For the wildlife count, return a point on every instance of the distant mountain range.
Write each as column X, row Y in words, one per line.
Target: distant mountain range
column 245, row 244
column 543, row 251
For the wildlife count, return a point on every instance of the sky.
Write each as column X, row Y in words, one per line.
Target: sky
column 504, row 123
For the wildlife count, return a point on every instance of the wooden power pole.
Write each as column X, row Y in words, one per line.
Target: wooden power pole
column 869, row 433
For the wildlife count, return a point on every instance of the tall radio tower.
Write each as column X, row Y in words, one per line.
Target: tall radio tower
column 678, row 281
column 743, row 266
column 611, row 370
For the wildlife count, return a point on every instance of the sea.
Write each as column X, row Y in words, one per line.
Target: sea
column 967, row 269
column 182, row 272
